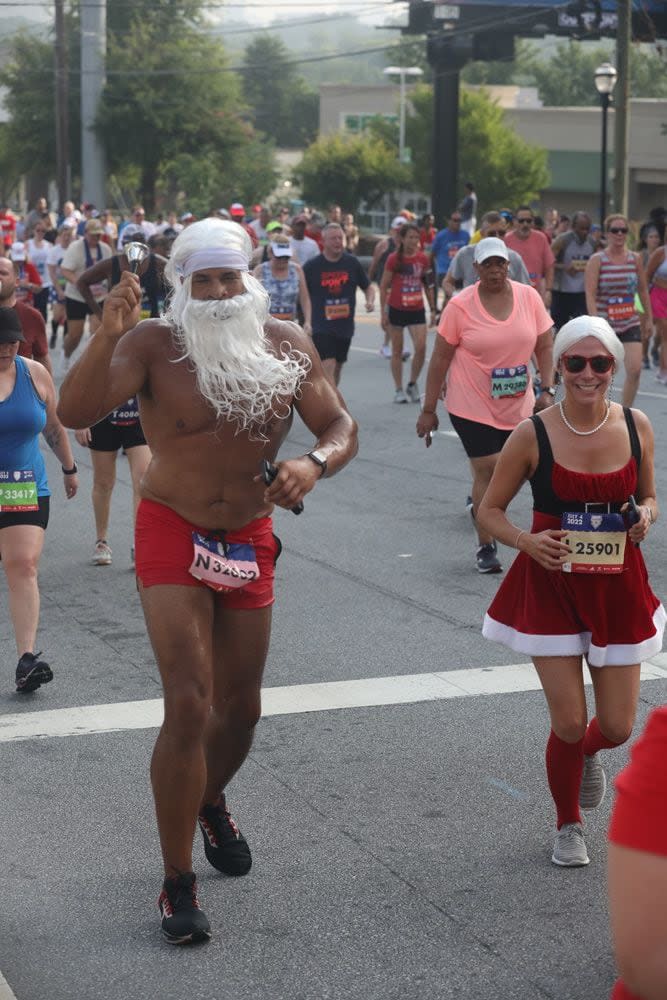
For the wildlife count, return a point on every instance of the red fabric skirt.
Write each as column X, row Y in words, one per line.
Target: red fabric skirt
column 613, row 619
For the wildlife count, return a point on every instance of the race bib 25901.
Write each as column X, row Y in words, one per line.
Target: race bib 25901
column 597, row 542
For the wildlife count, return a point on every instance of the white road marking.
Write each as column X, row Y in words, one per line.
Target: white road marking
column 5, row 989
column 295, row 699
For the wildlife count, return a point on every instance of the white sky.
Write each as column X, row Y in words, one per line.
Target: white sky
column 254, row 11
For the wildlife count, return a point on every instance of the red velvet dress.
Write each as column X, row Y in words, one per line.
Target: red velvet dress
column 612, row 619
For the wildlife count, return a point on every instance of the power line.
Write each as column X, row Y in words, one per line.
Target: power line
column 467, row 29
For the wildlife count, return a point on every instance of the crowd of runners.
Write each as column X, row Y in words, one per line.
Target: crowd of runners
column 231, row 323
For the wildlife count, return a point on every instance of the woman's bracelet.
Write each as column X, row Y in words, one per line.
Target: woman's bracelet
column 516, row 543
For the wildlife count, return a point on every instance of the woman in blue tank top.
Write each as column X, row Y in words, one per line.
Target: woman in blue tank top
column 285, row 283
column 27, row 408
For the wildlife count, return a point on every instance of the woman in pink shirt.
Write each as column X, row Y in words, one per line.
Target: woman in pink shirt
column 488, row 334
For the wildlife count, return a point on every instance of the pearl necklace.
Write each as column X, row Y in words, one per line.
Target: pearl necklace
column 584, row 433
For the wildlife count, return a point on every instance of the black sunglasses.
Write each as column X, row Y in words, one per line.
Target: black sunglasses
column 618, row 229
column 525, row 222
column 575, row 363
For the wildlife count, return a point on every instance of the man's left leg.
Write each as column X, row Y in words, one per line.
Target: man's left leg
column 240, row 647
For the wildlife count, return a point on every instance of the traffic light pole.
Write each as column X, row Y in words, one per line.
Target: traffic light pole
column 447, row 57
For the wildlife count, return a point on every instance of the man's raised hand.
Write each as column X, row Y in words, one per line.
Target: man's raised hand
column 122, row 307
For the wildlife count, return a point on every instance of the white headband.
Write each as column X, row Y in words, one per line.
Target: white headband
column 221, row 257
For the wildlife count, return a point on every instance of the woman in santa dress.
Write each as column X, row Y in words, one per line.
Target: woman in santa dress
column 579, row 587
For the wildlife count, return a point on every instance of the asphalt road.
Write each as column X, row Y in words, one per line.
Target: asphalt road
column 400, row 850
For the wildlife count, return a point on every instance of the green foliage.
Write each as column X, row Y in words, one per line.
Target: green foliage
column 284, row 107
column 345, row 170
column 566, row 78
column 29, row 78
column 504, row 167
column 171, row 112
column 10, row 174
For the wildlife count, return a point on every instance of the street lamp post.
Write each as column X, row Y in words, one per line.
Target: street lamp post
column 605, row 80
column 402, row 72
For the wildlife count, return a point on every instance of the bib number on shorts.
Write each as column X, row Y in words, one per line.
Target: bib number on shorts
column 508, row 382
column 18, row 491
column 597, row 542
column 336, row 309
column 621, row 308
column 125, row 416
column 223, row 566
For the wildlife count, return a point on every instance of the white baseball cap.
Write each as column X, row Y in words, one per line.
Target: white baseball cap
column 17, row 251
column 399, row 221
column 492, row 246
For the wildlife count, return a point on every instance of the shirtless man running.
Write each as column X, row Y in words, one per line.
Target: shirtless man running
column 217, row 382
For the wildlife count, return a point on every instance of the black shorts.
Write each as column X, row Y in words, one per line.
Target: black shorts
column 566, row 306
column 631, row 336
column 40, row 518
column 106, row 436
column 479, row 440
column 76, row 310
column 407, row 317
column 329, row 346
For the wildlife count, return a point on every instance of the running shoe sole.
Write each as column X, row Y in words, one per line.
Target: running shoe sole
column 593, row 784
column 197, row 937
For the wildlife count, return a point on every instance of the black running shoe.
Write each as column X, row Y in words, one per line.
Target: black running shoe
column 183, row 922
column 31, row 672
column 224, row 845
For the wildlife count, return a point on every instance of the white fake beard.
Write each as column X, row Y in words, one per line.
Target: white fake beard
column 237, row 373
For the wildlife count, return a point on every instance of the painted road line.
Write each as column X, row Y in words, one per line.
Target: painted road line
column 5, row 989
column 296, row 699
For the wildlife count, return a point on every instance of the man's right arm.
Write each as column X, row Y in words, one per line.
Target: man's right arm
column 112, row 368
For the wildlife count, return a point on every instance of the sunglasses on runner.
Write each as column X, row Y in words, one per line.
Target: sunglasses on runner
column 616, row 230
column 575, row 363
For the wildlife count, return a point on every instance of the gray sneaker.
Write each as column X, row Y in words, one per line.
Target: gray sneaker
column 570, row 847
column 487, row 559
column 412, row 391
column 593, row 783
column 400, row 397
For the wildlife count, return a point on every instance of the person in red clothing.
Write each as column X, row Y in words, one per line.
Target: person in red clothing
column 638, row 867
column 427, row 233
column 28, row 280
column 407, row 275
column 579, row 586
column 35, row 344
column 7, row 228
column 237, row 213
column 533, row 246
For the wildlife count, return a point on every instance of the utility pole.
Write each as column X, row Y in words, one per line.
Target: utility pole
column 622, row 105
column 62, row 106
column 93, row 78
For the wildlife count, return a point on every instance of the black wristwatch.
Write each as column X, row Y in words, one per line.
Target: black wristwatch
column 70, row 472
column 318, row 458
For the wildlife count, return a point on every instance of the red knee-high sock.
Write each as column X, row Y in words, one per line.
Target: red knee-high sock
column 595, row 739
column 565, row 762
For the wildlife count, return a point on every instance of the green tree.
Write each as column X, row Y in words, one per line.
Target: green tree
column 10, row 174
column 567, row 79
column 29, row 78
column 504, row 167
column 345, row 170
column 171, row 100
column 284, row 107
